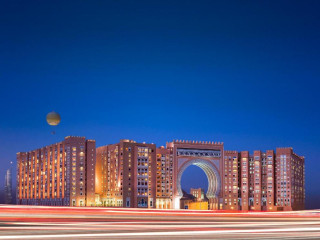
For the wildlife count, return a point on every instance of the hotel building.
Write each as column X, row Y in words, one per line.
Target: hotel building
column 130, row 174
column 60, row 174
column 267, row 181
column 261, row 181
column 126, row 174
column 164, row 184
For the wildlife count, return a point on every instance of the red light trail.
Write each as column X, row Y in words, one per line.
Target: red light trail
column 35, row 222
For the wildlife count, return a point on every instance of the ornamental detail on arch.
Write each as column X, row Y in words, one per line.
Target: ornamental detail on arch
column 198, row 152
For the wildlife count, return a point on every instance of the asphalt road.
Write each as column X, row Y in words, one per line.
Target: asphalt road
column 30, row 222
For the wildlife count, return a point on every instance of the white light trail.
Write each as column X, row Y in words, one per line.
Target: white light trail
column 175, row 233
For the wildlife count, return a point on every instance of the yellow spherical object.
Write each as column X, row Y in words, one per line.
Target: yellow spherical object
column 53, row 118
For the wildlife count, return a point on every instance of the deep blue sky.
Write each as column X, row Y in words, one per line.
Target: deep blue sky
column 242, row 72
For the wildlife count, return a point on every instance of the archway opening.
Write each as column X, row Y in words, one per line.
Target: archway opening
column 212, row 179
column 194, row 177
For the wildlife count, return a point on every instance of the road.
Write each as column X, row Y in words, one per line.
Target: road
column 31, row 222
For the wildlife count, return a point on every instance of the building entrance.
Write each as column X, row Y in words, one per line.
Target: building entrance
column 214, row 182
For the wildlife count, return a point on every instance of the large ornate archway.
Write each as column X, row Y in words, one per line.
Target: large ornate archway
column 214, row 180
column 206, row 155
column 214, row 184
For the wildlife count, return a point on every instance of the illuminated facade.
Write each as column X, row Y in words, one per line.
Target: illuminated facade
column 164, row 184
column 267, row 181
column 262, row 181
column 290, row 180
column 60, row 174
column 206, row 155
column 126, row 174
column 198, row 193
column 129, row 174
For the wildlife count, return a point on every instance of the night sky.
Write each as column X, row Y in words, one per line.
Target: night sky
column 242, row 72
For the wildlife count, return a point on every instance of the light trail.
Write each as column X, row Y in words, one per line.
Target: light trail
column 175, row 233
column 187, row 224
column 32, row 222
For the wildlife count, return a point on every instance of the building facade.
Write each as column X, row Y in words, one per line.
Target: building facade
column 261, row 181
column 126, row 175
column 60, row 174
column 264, row 181
column 206, row 155
column 198, row 193
column 129, row 174
column 164, row 183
